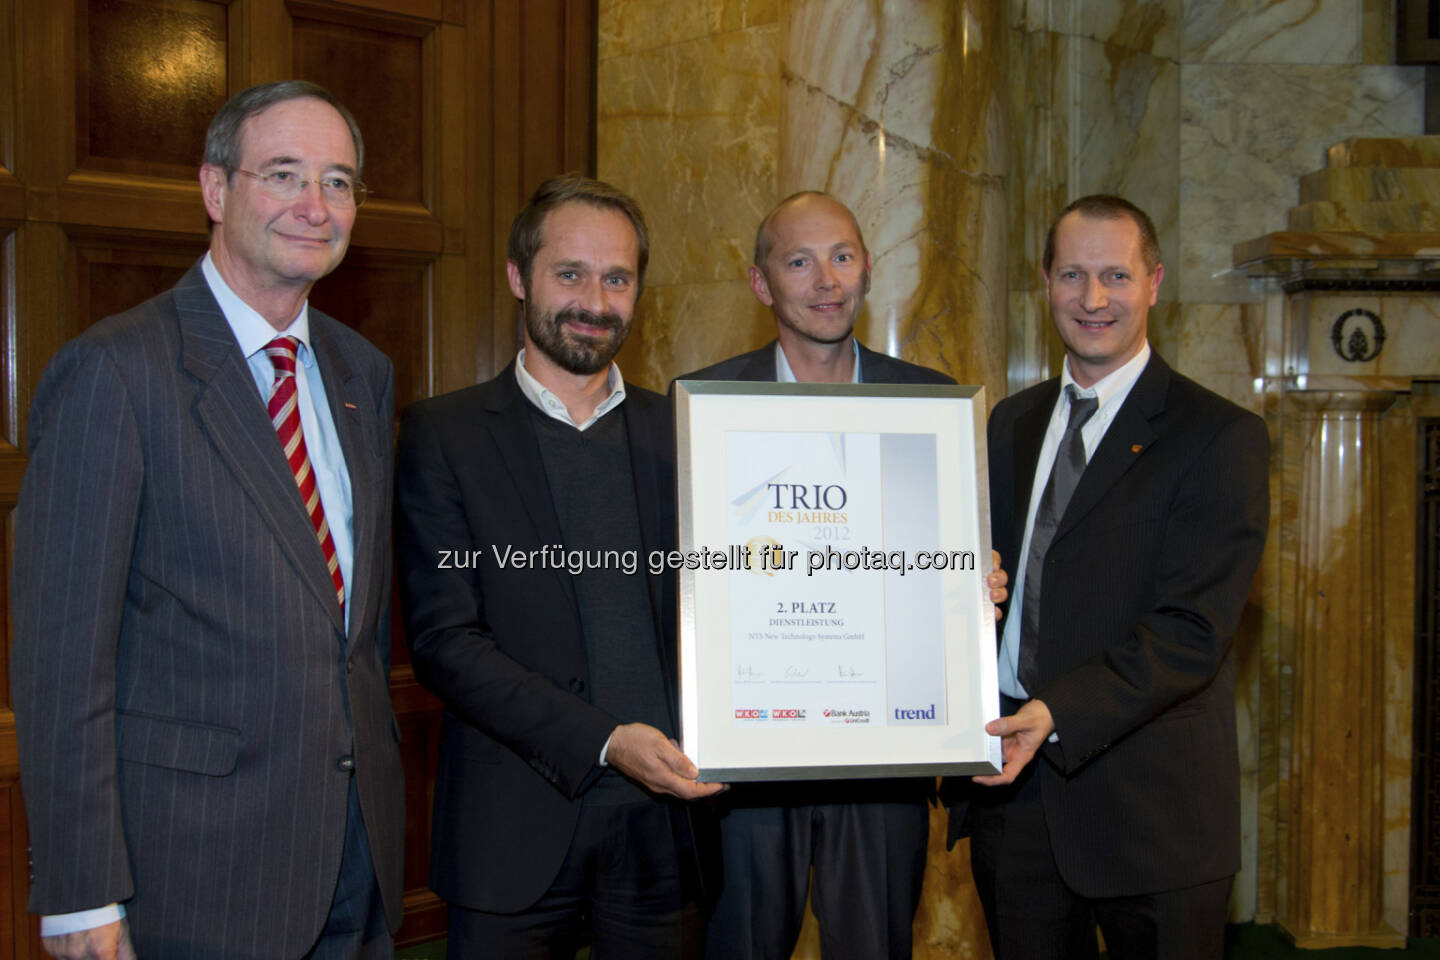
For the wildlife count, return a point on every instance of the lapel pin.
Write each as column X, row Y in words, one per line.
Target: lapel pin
column 1134, row 447
column 351, row 406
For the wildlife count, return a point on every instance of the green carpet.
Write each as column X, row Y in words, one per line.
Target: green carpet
column 1242, row 942
column 1248, row 941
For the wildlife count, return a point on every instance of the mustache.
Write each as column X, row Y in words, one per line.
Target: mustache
column 608, row 321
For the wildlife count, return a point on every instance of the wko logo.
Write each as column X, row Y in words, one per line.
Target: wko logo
column 752, row 714
column 925, row 713
column 787, row 713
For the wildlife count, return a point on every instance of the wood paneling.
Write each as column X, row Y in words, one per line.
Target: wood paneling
column 349, row 60
column 387, row 300
column 465, row 105
column 149, row 77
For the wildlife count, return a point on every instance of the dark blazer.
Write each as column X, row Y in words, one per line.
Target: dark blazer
column 1145, row 581
column 187, row 702
column 759, row 365
column 504, row 647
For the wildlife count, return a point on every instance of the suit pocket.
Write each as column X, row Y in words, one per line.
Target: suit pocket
column 178, row 744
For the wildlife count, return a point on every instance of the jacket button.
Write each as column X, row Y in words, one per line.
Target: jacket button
column 345, row 764
column 577, row 685
column 350, row 665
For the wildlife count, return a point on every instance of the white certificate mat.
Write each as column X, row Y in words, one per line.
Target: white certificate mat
column 850, row 631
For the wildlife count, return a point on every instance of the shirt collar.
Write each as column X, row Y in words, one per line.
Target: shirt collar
column 251, row 330
column 552, row 406
column 783, row 373
column 1115, row 384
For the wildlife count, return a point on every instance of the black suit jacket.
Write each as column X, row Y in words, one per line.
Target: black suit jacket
column 504, row 647
column 1144, row 583
column 759, row 366
column 187, row 701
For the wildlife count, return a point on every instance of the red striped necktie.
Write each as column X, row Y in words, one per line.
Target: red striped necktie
column 285, row 415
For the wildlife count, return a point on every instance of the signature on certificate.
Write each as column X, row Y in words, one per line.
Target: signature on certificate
column 743, row 671
column 847, row 672
column 796, row 673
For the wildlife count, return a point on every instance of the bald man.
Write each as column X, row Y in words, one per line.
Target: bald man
column 865, row 839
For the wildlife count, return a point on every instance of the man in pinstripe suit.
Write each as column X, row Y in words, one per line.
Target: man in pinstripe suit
column 201, row 594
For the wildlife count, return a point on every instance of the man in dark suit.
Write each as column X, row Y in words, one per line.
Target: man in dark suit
column 865, row 839
column 1138, row 502
column 529, row 509
column 201, row 593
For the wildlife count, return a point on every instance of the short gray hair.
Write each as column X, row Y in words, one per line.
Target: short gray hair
column 222, row 140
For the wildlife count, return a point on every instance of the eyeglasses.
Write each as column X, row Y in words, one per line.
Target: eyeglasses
column 337, row 189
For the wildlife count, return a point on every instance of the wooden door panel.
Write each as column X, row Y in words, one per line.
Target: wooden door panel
column 115, row 276
column 379, row 73
column 149, row 78
column 387, row 299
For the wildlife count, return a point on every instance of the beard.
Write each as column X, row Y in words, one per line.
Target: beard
column 571, row 352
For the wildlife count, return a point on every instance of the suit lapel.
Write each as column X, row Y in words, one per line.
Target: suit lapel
column 646, row 441
column 229, row 410
column 1030, row 427
column 1126, row 440
column 759, row 365
column 352, row 410
column 508, row 421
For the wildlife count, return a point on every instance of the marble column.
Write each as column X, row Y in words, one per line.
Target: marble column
column 1333, row 858
column 900, row 111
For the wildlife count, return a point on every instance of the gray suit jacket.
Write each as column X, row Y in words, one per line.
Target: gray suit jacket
column 187, row 702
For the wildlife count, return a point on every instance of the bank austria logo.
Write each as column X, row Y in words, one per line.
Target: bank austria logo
column 787, row 713
column 922, row 713
column 843, row 715
column 752, row 714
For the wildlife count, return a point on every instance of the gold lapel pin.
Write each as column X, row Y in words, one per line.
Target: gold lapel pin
column 1134, row 447
column 351, row 406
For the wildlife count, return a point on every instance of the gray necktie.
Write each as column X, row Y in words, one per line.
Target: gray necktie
column 1069, row 464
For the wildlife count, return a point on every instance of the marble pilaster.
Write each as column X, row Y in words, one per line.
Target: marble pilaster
column 1333, row 861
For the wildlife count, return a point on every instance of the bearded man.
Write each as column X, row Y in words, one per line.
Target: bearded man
column 528, row 507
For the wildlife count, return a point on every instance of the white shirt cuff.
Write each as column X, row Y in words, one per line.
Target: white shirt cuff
column 60, row 924
column 604, row 749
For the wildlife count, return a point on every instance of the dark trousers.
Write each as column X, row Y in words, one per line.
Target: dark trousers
column 1032, row 914
column 869, row 865
column 622, row 886
column 356, row 926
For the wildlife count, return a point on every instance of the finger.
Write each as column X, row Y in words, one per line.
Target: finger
column 699, row 791
column 680, row 764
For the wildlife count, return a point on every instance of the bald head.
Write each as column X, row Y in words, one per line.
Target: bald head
column 798, row 204
column 811, row 269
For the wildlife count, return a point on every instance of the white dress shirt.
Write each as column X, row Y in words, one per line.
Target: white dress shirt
column 552, row 406
column 783, row 373
column 1111, row 391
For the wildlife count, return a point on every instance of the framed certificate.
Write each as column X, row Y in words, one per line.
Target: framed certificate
column 834, row 616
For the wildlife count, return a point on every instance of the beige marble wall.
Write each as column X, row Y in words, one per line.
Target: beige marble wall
column 688, row 113
column 1096, row 99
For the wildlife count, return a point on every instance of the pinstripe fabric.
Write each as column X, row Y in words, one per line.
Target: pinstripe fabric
column 179, row 737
